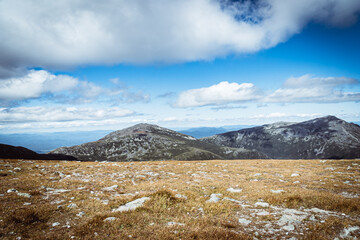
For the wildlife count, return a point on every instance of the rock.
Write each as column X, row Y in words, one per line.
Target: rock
column 234, row 190
column 277, row 191
column 55, row 224
column 175, row 223
column 132, row 205
column 262, row 204
column 112, row 188
column 72, row 205
column 109, row 219
column 214, row 197
column 289, row 227
column 244, row 221
column 181, row 196
column 23, row 195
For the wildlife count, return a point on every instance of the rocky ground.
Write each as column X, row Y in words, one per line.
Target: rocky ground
column 238, row 199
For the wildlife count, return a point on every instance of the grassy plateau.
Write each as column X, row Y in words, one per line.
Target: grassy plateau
column 236, row 199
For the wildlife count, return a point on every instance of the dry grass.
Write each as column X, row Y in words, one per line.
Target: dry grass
column 325, row 196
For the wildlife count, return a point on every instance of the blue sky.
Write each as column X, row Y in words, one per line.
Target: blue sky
column 177, row 64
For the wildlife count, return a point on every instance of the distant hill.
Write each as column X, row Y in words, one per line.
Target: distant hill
column 201, row 132
column 45, row 142
column 12, row 152
column 146, row 142
column 326, row 137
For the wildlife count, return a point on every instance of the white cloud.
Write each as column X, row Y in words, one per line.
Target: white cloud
column 60, row 114
column 74, row 33
column 34, row 84
column 221, row 93
column 64, row 89
column 295, row 90
column 314, row 89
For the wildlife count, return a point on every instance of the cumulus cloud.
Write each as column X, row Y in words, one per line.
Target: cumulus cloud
column 36, row 84
column 74, row 33
column 295, row 90
column 314, row 89
column 60, row 114
column 221, row 93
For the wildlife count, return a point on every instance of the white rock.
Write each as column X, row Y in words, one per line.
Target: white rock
column 175, row 223
column 80, row 214
column 214, row 197
column 262, row 213
column 277, row 191
column 346, row 232
column 112, row 188
column 295, row 175
column 244, row 221
column 262, row 204
column 132, row 205
column 289, row 227
column 72, row 205
column 257, row 174
column 23, row 195
column 234, row 190
column 11, row 190
column 180, row 196
column 55, row 224
column 109, row 219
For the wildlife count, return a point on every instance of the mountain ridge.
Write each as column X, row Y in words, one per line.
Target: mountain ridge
column 143, row 142
column 325, row 137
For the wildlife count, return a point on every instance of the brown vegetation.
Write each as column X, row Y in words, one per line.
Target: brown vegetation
column 75, row 200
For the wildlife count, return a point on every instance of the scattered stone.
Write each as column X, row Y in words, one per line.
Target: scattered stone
column 289, row 227
column 109, row 219
column 112, row 188
column 346, row 232
column 234, row 190
column 295, row 175
column 181, row 196
column 72, row 205
column 55, row 224
column 244, row 221
column 23, row 195
column 277, row 191
column 132, row 205
column 80, row 214
column 257, row 174
column 262, row 204
column 175, row 223
column 262, row 213
column 12, row 190
column 214, row 197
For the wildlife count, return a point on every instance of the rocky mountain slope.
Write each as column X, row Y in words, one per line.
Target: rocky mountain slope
column 146, row 142
column 12, row 152
column 326, row 137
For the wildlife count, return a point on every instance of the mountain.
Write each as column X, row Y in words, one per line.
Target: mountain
column 45, row 142
column 144, row 142
column 12, row 152
column 326, row 137
column 202, row 132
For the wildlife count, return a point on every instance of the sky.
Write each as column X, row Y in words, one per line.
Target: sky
column 76, row 65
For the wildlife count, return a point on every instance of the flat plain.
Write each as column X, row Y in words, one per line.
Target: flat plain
column 227, row 199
